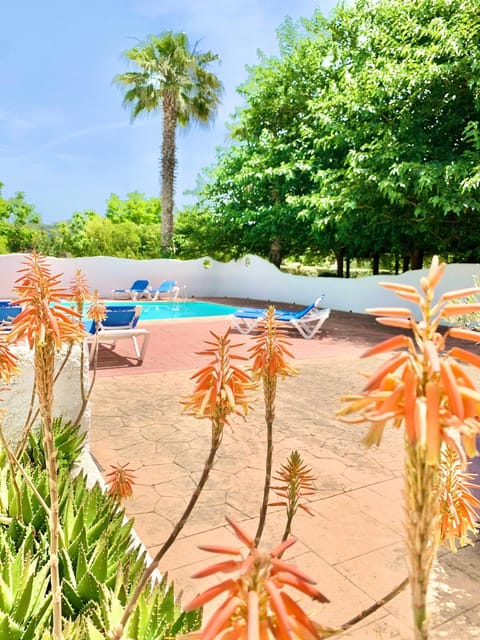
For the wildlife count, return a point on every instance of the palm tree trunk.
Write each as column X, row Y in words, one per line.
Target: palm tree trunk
column 169, row 163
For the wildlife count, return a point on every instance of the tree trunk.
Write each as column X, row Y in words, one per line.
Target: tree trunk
column 376, row 264
column 339, row 255
column 168, row 163
column 405, row 263
column 275, row 256
column 347, row 267
column 417, row 259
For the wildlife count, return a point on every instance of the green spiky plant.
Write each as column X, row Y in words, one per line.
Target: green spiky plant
column 79, row 541
column 98, row 565
column 25, row 601
column 46, row 325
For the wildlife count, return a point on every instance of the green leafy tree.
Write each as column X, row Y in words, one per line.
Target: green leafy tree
column 197, row 234
column 18, row 223
column 71, row 236
column 107, row 238
column 397, row 118
column 136, row 208
column 173, row 78
column 250, row 190
column 361, row 138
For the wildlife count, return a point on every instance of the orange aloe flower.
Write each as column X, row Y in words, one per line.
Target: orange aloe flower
column 426, row 390
column 458, row 507
column 269, row 353
column 270, row 349
column 221, row 387
column 297, row 483
column 97, row 311
column 79, row 290
column 420, row 387
column 8, row 360
column 43, row 318
column 120, row 482
column 255, row 606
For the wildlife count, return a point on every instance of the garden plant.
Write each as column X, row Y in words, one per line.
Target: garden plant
column 427, row 391
column 69, row 568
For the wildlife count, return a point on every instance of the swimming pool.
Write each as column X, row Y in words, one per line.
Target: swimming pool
column 169, row 310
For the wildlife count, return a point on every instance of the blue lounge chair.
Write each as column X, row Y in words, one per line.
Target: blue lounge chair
column 7, row 314
column 138, row 289
column 168, row 288
column 307, row 321
column 120, row 323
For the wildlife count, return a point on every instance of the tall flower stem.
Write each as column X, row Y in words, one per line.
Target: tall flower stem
column 422, row 512
column 430, row 394
column 46, row 324
column 208, row 466
column 33, row 415
column 270, row 388
column 44, row 368
column 221, row 390
column 269, row 363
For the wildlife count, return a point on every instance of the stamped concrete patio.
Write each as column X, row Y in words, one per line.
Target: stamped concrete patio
column 353, row 546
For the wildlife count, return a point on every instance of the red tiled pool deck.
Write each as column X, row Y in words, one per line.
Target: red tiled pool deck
column 354, row 544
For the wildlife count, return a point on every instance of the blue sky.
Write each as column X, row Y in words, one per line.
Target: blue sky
column 66, row 141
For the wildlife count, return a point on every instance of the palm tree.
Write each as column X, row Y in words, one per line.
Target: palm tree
column 174, row 78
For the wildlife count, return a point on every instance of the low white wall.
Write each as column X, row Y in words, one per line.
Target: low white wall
column 67, row 392
column 250, row 277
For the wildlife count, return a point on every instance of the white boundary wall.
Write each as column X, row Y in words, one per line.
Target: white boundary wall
column 249, row 277
column 17, row 394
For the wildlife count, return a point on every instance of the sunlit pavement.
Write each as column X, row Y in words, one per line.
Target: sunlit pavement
column 353, row 545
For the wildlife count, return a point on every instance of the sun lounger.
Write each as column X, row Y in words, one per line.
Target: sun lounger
column 120, row 323
column 7, row 314
column 307, row 321
column 138, row 290
column 168, row 288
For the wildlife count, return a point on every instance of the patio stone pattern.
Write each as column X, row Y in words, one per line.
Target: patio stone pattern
column 353, row 546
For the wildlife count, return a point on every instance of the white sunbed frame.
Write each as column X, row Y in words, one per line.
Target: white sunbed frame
column 307, row 326
column 110, row 335
column 171, row 294
column 311, row 323
column 246, row 324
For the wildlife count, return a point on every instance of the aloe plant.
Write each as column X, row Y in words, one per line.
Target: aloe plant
column 221, row 391
column 98, row 564
column 69, row 442
column 269, row 354
column 427, row 391
column 25, row 601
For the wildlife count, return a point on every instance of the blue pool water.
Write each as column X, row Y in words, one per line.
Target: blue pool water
column 176, row 309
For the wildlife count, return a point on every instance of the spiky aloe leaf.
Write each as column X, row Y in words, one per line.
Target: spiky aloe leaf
column 69, row 443
column 156, row 617
column 40, row 621
column 89, row 587
column 30, row 512
column 82, row 564
column 72, row 602
column 99, row 561
column 9, row 628
column 6, row 595
column 24, row 583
